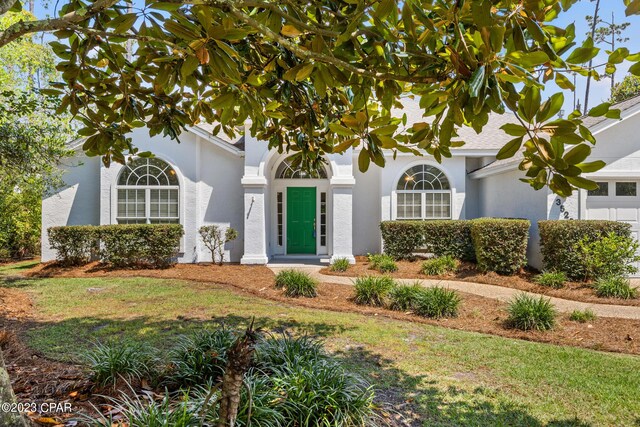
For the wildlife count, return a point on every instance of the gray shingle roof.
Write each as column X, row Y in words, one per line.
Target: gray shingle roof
column 237, row 142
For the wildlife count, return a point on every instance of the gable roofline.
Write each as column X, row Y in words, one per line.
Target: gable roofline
column 217, row 141
column 597, row 125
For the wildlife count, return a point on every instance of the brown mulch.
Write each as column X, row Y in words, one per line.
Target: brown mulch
column 478, row 314
column 468, row 272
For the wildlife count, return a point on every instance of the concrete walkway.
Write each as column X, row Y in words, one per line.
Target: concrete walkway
column 489, row 291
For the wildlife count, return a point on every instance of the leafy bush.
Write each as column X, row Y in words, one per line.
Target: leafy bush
column 551, row 279
column 200, row 357
column 135, row 245
column 372, row 290
column 615, row 287
column 214, row 240
column 75, row 244
column 500, row 244
column 113, row 360
column 560, row 243
column 403, row 298
column 530, row 313
column 288, row 350
column 296, row 283
column 340, row 264
column 442, row 237
column 387, row 266
column 376, row 259
column 437, row 302
column 21, row 219
column 611, row 255
column 582, row 316
column 439, row 266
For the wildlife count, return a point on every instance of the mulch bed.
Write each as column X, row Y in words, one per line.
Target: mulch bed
column 468, row 272
column 37, row 378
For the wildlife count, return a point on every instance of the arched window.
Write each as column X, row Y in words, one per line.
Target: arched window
column 289, row 169
column 148, row 191
column 423, row 192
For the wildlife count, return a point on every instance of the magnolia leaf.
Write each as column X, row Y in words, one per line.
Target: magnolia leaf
column 581, row 182
column 577, row 154
column 290, row 31
column 363, row 160
column 599, row 110
column 583, row 54
column 591, row 166
column 510, row 149
column 514, row 129
column 475, row 84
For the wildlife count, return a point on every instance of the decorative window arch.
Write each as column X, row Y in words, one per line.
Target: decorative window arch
column 423, row 192
column 290, row 169
column 148, row 193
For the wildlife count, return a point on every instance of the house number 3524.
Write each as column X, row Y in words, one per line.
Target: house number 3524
column 563, row 211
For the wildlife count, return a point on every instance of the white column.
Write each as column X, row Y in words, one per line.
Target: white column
column 255, row 224
column 342, row 207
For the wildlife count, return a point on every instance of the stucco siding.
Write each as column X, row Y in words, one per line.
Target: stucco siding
column 505, row 196
column 366, row 210
column 76, row 203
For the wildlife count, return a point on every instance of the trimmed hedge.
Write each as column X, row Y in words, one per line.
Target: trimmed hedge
column 152, row 245
column 441, row 237
column 74, row 244
column 136, row 245
column 500, row 244
column 559, row 241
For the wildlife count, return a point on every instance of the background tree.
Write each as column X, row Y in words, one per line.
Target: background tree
column 32, row 140
column 325, row 76
column 609, row 33
column 627, row 88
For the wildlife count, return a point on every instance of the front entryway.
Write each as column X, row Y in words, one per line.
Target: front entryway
column 301, row 220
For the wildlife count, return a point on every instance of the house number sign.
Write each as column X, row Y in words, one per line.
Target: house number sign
column 564, row 214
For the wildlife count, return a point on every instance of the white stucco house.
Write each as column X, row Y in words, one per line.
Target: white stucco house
column 283, row 213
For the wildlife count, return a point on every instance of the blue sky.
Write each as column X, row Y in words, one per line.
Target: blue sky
column 599, row 89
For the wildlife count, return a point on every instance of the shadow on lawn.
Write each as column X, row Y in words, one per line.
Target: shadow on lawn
column 411, row 400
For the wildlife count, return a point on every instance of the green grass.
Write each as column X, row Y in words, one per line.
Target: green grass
column 452, row 377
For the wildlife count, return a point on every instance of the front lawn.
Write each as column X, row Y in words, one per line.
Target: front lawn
column 446, row 377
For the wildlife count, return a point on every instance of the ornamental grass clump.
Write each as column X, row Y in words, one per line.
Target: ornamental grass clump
column 531, row 313
column 582, row 316
column 340, row 265
column 551, row 279
column 296, row 283
column 439, row 266
column 403, row 298
column 437, row 302
column 200, row 357
column 373, row 290
column 114, row 360
column 615, row 287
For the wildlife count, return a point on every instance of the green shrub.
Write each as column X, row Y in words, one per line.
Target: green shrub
column 530, row 313
column 387, row 266
column 214, row 239
column 582, row 316
column 611, row 255
column 440, row 237
column 340, row 264
column 615, row 287
column 287, row 350
column 74, row 244
column 437, row 302
column 376, row 259
column 199, row 358
column 500, row 244
column 138, row 245
column 439, row 266
column 401, row 239
column 296, row 283
column 559, row 242
column 403, row 298
column 112, row 360
column 372, row 290
column 551, row 279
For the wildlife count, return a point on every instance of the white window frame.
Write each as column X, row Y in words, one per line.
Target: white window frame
column 423, row 196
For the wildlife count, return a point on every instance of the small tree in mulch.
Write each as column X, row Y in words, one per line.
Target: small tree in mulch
column 215, row 237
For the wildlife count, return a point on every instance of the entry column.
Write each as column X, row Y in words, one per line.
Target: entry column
column 255, row 224
column 342, row 217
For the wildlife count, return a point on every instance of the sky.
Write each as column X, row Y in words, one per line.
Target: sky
column 599, row 89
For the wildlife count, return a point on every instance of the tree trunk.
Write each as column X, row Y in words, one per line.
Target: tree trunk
column 593, row 34
column 239, row 359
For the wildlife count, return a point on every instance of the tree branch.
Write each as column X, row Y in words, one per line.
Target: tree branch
column 6, row 5
column 21, row 28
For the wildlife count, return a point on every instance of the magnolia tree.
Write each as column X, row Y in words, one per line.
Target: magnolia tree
column 323, row 76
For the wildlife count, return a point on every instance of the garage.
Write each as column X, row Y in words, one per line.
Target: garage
column 616, row 200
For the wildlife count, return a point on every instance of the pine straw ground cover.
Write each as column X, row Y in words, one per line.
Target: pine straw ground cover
column 424, row 369
column 468, row 272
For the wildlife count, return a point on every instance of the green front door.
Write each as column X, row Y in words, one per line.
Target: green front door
column 301, row 220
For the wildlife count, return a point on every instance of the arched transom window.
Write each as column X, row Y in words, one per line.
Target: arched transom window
column 148, row 191
column 290, row 169
column 423, row 192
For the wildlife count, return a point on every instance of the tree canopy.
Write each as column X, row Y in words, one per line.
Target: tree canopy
column 323, row 76
column 627, row 88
